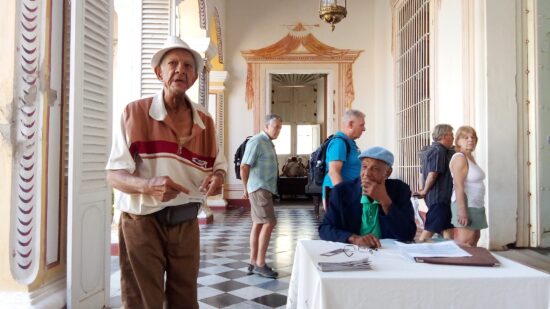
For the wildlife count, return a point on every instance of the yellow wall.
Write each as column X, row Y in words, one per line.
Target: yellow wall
column 7, row 47
column 215, row 62
column 190, row 25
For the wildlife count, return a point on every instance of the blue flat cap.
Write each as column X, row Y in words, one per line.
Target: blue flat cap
column 378, row 153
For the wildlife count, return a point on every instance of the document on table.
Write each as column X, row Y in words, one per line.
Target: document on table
column 362, row 264
column 436, row 249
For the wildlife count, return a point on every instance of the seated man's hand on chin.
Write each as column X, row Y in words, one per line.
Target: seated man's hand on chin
column 376, row 190
column 368, row 241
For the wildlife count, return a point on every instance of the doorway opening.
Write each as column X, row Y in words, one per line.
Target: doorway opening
column 300, row 98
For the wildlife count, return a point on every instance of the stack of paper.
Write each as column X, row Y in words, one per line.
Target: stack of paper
column 363, row 264
column 437, row 249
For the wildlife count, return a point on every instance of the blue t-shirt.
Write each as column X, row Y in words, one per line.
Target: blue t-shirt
column 337, row 151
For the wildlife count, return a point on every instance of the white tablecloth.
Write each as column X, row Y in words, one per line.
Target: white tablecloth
column 396, row 282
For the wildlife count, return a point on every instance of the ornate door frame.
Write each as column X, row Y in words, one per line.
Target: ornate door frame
column 300, row 50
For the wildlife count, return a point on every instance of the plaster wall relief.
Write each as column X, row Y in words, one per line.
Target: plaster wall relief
column 298, row 48
column 25, row 215
column 202, row 13
column 217, row 94
column 217, row 77
column 219, row 42
column 36, row 226
column 216, row 90
column 216, row 108
column 203, row 82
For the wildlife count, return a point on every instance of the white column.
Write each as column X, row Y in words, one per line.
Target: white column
column 217, row 88
column 497, row 120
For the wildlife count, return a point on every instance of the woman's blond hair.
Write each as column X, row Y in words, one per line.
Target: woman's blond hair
column 462, row 132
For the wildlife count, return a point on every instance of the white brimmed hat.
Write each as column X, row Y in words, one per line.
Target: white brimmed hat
column 173, row 42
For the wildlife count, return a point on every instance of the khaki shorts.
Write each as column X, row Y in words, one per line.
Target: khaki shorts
column 261, row 207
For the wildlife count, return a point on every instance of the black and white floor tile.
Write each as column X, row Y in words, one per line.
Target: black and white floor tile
column 222, row 281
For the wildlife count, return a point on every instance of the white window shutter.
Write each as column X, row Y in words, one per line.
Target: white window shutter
column 89, row 199
column 155, row 28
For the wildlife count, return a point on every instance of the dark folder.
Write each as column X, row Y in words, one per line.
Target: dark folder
column 480, row 257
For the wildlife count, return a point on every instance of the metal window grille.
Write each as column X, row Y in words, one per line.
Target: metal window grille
column 412, row 92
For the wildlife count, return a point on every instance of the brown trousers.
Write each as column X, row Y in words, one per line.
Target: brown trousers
column 148, row 249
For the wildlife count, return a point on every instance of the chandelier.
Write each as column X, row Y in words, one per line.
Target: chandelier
column 332, row 11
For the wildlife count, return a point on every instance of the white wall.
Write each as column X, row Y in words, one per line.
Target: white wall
column 265, row 24
column 543, row 120
column 497, row 122
column 381, row 117
column 127, row 69
column 448, row 95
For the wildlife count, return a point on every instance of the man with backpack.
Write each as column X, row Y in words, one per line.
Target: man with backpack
column 259, row 173
column 239, row 157
column 342, row 151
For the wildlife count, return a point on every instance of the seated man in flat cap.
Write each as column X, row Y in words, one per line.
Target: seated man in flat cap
column 364, row 210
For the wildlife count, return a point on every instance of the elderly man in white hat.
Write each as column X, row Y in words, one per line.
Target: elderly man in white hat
column 165, row 161
column 370, row 207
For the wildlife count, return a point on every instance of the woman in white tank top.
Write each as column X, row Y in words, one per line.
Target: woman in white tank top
column 468, row 199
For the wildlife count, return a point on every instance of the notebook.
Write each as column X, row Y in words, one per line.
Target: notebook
column 480, row 257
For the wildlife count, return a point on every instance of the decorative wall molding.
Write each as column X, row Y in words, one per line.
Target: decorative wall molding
column 25, row 223
column 233, row 193
column 202, row 14
column 234, row 186
column 203, row 82
column 206, row 49
column 299, row 46
column 217, row 87
column 218, row 34
column 51, row 295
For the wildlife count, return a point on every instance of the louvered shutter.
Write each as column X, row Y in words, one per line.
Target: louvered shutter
column 89, row 199
column 155, row 28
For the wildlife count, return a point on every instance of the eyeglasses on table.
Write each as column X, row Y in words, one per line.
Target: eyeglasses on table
column 350, row 250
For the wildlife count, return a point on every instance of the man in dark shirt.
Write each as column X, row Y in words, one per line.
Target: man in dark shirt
column 363, row 210
column 438, row 183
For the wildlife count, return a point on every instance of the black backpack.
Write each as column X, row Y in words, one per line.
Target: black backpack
column 239, row 156
column 317, row 165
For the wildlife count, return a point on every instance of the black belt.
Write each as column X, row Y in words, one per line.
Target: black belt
column 173, row 215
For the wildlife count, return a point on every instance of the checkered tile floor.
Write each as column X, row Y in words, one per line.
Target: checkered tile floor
column 222, row 281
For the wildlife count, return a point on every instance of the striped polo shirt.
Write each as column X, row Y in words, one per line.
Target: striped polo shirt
column 148, row 146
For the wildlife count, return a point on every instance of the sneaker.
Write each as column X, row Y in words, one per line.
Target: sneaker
column 265, row 271
column 250, row 270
